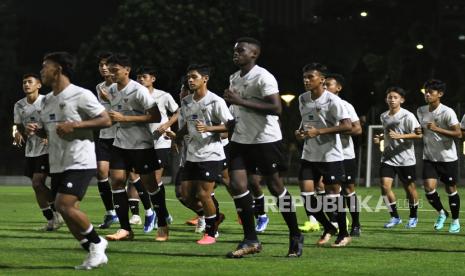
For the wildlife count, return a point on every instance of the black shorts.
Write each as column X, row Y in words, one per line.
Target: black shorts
column 38, row 164
column 202, row 171
column 267, row 157
column 447, row 172
column 226, row 149
column 141, row 161
column 73, row 182
column 350, row 171
column 103, row 149
column 407, row 174
column 163, row 157
column 332, row 172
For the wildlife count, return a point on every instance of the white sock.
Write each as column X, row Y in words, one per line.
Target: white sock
column 312, row 219
column 148, row 212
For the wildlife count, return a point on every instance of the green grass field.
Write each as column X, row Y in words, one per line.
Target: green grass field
column 399, row 251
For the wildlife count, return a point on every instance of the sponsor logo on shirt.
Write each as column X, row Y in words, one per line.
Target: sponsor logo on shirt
column 52, row 117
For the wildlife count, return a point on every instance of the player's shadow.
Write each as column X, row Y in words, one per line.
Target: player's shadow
column 35, row 237
column 33, row 267
column 414, row 249
column 167, row 254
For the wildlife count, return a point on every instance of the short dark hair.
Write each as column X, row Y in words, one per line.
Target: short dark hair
column 65, row 60
column 397, row 89
column 435, row 84
column 103, row 55
column 203, row 69
column 337, row 77
column 147, row 70
column 249, row 40
column 32, row 75
column 120, row 59
column 315, row 66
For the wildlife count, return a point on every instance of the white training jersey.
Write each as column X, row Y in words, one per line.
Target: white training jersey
column 399, row 152
column 165, row 103
column 346, row 140
column 324, row 112
column 132, row 100
column 253, row 127
column 211, row 110
column 109, row 132
column 25, row 113
column 438, row 147
column 75, row 151
column 462, row 123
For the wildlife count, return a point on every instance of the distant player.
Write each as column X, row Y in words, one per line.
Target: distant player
column 27, row 110
column 104, row 143
column 69, row 113
column 398, row 158
column 440, row 127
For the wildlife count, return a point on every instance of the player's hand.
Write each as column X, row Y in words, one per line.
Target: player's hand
column 18, row 139
column 432, row 126
column 162, row 128
column 311, row 132
column 418, row 131
column 231, row 96
column 376, row 139
column 116, row 116
column 45, row 141
column 201, row 126
column 170, row 134
column 31, row 128
column 299, row 134
column 104, row 95
column 394, row 135
column 65, row 128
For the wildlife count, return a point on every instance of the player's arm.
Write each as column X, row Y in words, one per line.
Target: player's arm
column 415, row 135
column 356, row 129
column 152, row 115
column 100, row 121
column 173, row 119
column 270, row 106
column 344, row 126
column 453, row 131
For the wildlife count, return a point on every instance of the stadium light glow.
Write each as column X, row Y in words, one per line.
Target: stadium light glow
column 363, row 14
column 420, row 46
column 422, row 90
column 461, row 37
column 287, row 98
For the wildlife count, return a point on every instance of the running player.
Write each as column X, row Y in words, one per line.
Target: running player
column 256, row 142
column 68, row 115
column 440, row 127
column 398, row 158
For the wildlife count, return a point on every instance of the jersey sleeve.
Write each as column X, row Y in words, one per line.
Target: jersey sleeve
column 451, row 118
column 339, row 111
column 171, row 104
column 268, row 85
column 144, row 99
column 90, row 104
column 462, row 123
column 352, row 113
column 222, row 111
column 412, row 123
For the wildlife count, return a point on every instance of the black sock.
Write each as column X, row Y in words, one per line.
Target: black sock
column 312, row 208
column 454, row 204
column 85, row 243
column 91, row 235
column 353, row 204
column 105, row 194
column 259, row 205
column 48, row 213
column 287, row 209
column 159, row 205
column 244, row 208
column 217, row 206
column 413, row 209
column 392, row 207
column 122, row 208
column 435, row 201
column 134, row 206
column 210, row 226
column 143, row 195
column 341, row 216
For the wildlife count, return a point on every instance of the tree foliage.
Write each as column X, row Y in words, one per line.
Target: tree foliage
column 170, row 34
